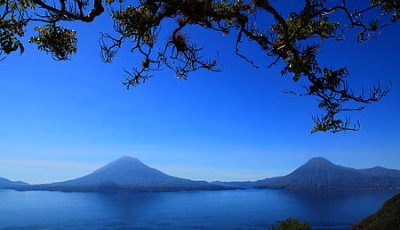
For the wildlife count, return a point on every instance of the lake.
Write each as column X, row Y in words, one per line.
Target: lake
column 237, row 209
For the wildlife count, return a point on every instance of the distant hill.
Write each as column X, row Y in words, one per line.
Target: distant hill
column 235, row 184
column 387, row 218
column 8, row 184
column 130, row 174
column 127, row 174
column 381, row 172
column 319, row 173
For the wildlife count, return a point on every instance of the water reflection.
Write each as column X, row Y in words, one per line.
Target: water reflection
column 245, row 209
column 129, row 204
column 337, row 209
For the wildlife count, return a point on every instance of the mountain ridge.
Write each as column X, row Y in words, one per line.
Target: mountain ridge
column 130, row 174
column 126, row 174
column 6, row 183
column 387, row 217
column 319, row 173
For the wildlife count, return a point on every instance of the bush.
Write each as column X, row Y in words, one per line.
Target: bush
column 291, row 224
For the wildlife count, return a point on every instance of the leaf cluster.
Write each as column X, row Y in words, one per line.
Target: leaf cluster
column 59, row 42
column 12, row 26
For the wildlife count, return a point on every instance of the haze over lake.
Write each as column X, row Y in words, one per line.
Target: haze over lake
column 238, row 209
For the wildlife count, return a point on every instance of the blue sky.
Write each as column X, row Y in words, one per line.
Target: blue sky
column 62, row 120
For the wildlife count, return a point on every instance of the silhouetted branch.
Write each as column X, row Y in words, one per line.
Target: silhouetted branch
column 292, row 42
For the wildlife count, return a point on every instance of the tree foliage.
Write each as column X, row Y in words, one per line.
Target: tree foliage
column 291, row 224
column 293, row 40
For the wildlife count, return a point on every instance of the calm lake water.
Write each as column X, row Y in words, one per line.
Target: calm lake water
column 240, row 209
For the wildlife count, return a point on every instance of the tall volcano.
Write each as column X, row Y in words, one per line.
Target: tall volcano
column 127, row 174
column 319, row 173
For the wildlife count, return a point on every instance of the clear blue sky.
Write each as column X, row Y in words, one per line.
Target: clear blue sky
column 62, row 120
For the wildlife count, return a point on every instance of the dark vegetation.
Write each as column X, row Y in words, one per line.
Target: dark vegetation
column 291, row 224
column 387, row 218
column 292, row 40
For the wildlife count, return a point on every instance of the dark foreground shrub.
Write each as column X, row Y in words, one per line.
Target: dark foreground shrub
column 291, row 224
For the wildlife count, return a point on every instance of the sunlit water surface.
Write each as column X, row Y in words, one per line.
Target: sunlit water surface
column 239, row 209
